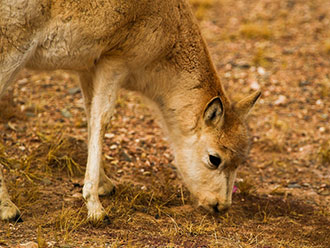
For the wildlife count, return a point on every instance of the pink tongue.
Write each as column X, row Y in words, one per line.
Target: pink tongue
column 234, row 189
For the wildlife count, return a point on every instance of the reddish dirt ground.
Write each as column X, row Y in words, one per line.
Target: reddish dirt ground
column 281, row 47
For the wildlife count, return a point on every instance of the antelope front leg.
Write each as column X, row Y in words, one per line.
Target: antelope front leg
column 106, row 187
column 107, row 79
column 8, row 210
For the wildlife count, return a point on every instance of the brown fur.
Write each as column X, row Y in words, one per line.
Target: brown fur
column 150, row 46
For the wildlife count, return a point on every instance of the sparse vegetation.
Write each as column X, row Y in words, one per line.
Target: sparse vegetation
column 261, row 58
column 325, row 88
column 324, row 153
column 12, row 111
column 201, row 7
column 327, row 46
column 60, row 154
column 255, row 31
column 68, row 221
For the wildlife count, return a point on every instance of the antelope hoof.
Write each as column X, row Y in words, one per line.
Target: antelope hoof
column 9, row 211
column 106, row 188
column 96, row 213
column 99, row 220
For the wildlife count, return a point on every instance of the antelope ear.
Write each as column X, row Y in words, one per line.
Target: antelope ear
column 244, row 106
column 214, row 111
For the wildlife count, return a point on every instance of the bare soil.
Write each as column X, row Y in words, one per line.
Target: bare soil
column 283, row 200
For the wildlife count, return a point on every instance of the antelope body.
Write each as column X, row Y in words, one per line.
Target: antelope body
column 150, row 46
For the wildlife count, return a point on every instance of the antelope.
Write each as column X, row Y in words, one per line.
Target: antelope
column 151, row 47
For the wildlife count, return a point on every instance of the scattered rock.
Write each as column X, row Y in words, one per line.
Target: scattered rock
column 307, row 185
column 147, row 173
column 304, row 83
column 77, row 195
column 255, row 85
column 66, row 113
column 324, row 190
column 124, row 156
column 172, row 176
column 108, row 157
column 113, row 147
column 261, row 71
column 319, row 102
column 28, row 245
column 280, row 100
column 242, row 65
column 294, row 186
column 30, row 114
column 22, row 148
column 288, row 51
column 322, row 129
column 109, row 135
column 74, row 90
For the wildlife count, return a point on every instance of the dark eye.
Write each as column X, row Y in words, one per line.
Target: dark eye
column 215, row 161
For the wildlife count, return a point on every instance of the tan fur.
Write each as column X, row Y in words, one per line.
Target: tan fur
column 150, row 46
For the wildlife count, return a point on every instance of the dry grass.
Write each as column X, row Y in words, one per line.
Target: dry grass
column 275, row 137
column 11, row 109
column 261, row 58
column 325, row 88
column 58, row 151
column 255, row 31
column 68, row 221
column 326, row 46
column 201, row 7
column 324, row 153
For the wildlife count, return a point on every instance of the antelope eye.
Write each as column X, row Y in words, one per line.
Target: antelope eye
column 214, row 161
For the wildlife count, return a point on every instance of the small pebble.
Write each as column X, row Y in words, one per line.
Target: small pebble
column 294, row 186
column 147, row 173
column 66, row 113
column 125, row 157
column 324, row 191
column 30, row 114
column 307, row 185
column 73, row 91
column 109, row 135
column 261, row 71
column 108, row 157
column 227, row 75
column 280, row 100
column 319, row 102
column 28, row 245
column 304, row 83
column 113, row 147
column 22, row 148
column 254, row 85
column 77, row 195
